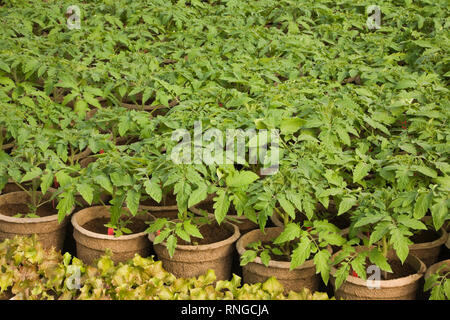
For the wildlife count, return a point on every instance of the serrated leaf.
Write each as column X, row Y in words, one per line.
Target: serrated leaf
column 153, row 190
column 132, row 200
column 321, row 260
column 286, row 205
column 361, row 170
column 376, row 257
column 422, row 204
column 345, row 205
column 400, row 244
column 290, row 232
column 86, row 191
column 221, row 206
column 301, row 253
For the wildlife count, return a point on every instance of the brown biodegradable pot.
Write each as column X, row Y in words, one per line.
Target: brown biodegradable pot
column 50, row 233
column 194, row 260
column 91, row 246
column 242, row 222
column 404, row 288
column 428, row 252
column 303, row 276
column 434, row 268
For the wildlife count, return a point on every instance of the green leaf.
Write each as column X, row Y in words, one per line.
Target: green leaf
column 301, row 253
column 422, row 204
column 46, row 182
column 411, row 223
column 439, row 213
column 221, row 205
column 400, row 244
column 153, row 190
column 345, row 205
column 198, row 195
column 65, row 205
column 341, row 275
column 286, row 205
column 292, row 125
column 321, row 260
column 377, row 258
column 171, row 244
column 32, row 174
column 4, row 67
column 192, row 229
column 156, row 225
column 162, row 236
column 368, row 219
column 290, row 232
column 241, row 179
column 379, row 231
column 425, row 170
column 104, row 182
column 247, row 257
column 361, row 170
column 265, row 257
column 91, row 100
column 86, row 191
column 132, row 200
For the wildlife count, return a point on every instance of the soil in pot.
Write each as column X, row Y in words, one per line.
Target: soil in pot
column 92, row 239
column 11, row 209
column 98, row 225
column 302, row 276
column 50, row 232
column 402, row 284
column 215, row 252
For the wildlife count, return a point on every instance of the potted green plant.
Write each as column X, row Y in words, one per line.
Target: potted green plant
column 31, row 210
column 113, row 226
column 191, row 244
column 379, row 246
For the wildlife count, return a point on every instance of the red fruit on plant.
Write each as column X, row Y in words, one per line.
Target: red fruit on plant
column 354, row 274
column 55, row 183
column 220, row 104
column 101, row 151
column 110, row 231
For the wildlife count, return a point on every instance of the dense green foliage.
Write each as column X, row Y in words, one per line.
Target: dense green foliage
column 363, row 114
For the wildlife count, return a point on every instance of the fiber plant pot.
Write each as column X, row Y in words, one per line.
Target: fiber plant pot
column 194, row 260
column 242, row 222
column 50, row 232
column 429, row 251
column 401, row 288
column 92, row 245
column 303, row 276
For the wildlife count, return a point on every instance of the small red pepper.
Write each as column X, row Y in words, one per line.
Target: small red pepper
column 158, row 232
column 220, row 104
column 110, row 231
column 354, row 274
column 101, row 151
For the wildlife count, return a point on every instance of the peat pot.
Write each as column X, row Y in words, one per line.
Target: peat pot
column 50, row 232
column 92, row 245
column 398, row 288
column 301, row 277
column 194, row 260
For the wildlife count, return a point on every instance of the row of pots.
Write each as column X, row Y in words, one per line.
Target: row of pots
column 193, row 260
